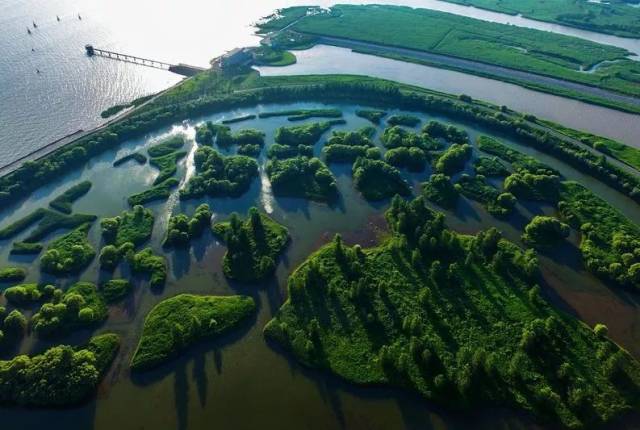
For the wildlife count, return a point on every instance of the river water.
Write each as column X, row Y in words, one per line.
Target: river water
column 71, row 90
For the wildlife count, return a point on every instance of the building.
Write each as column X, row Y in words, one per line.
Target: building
column 236, row 57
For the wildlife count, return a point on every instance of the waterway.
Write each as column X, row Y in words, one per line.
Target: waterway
column 71, row 90
column 323, row 59
column 240, row 381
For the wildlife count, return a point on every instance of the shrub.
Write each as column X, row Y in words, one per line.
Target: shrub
column 302, row 177
column 183, row 229
column 64, row 201
column 439, row 190
column 377, row 180
column 545, row 231
column 12, row 274
column 453, row 159
column 146, row 262
column 68, row 254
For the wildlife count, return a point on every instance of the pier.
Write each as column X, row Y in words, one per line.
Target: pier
column 180, row 69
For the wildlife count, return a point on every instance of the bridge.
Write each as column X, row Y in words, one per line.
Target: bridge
column 180, row 69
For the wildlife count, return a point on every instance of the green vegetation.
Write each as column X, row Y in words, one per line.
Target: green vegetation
column 545, row 231
column 158, row 192
column 167, row 164
column 302, row 114
column 377, row 180
column 64, row 201
column 283, row 18
column 12, row 274
column 519, row 48
column 25, row 248
column 26, row 294
column 182, row 229
column 529, row 186
column 146, row 261
column 48, row 222
column 239, row 119
column 476, row 188
column 489, row 166
column 245, row 137
column 115, row 290
column 397, row 137
column 166, row 146
column 253, row 246
column 518, row 160
column 206, row 132
column 439, row 190
column 612, row 17
column 450, row 133
column 219, row 176
column 413, row 159
column 346, row 146
column 80, row 306
column 403, row 119
column 610, row 243
column 68, row 254
column 111, row 256
column 302, row 177
column 60, row 376
column 117, row 108
column 375, row 116
column 285, row 151
column 133, row 226
column 455, row 318
column 453, row 159
column 136, row 156
column 267, row 56
column 178, row 322
column 625, row 153
column 307, row 134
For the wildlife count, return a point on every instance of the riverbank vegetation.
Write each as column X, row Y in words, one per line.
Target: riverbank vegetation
column 118, row 108
column 176, row 323
column 302, row 114
column 68, row 254
column 64, row 201
column 453, row 159
column 373, row 115
column 135, row 156
column 302, row 177
column 267, row 56
column 307, row 134
column 146, row 262
column 609, row 241
column 253, row 246
column 60, row 376
column 182, row 229
column 12, row 274
column 377, row 180
column 395, row 315
column 158, row 192
column 439, row 190
column 403, row 119
column 476, row 188
column 219, row 176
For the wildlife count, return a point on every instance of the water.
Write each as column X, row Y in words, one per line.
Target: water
column 323, row 59
column 71, row 89
column 240, row 381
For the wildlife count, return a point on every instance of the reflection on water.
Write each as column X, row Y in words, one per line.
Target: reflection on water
column 240, row 381
column 324, row 59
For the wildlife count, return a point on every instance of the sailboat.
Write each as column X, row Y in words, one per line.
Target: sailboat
column 34, row 25
column 79, row 17
column 58, row 18
column 28, row 31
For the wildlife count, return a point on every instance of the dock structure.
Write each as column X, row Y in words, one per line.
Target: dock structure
column 180, row 69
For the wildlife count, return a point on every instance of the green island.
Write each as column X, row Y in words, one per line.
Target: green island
column 241, row 118
column 302, row 114
column 616, row 17
column 135, row 156
column 450, row 133
column 26, row 248
column 267, row 56
column 375, row 116
column 178, row 322
column 48, row 221
column 345, row 147
column 413, row 159
column 12, row 274
column 489, row 166
column 453, row 159
column 302, row 177
column 377, row 180
column 146, row 262
column 133, row 226
column 518, row 160
column 115, row 290
column 81, row 305
column 158, row 192
column 287, row 151
column 476, row 188
column 65, row 200
column 68, row 254
column 530, row 186
column 165, row 156
column 219, row 176
column 307, row 134
column 27, row 294
column 545, row 231
column 403, row 119
column 182, row 229
column 13, row 326
column 458, row 319
column 439, row 190
column 60, row 376
column 253, row 246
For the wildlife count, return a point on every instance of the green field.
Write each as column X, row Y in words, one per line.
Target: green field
column 613, row 17
column 514, row 47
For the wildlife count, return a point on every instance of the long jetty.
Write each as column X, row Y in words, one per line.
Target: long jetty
column 180, row 69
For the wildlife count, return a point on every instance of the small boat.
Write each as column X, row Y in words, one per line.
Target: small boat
column 35, row 25
column 38, row 71
column 79, row 17
column 33, row 50
column 58, row 18
column 28, row 31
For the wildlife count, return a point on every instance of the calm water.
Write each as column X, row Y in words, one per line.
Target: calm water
column 71, row 89
column 240, row 381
